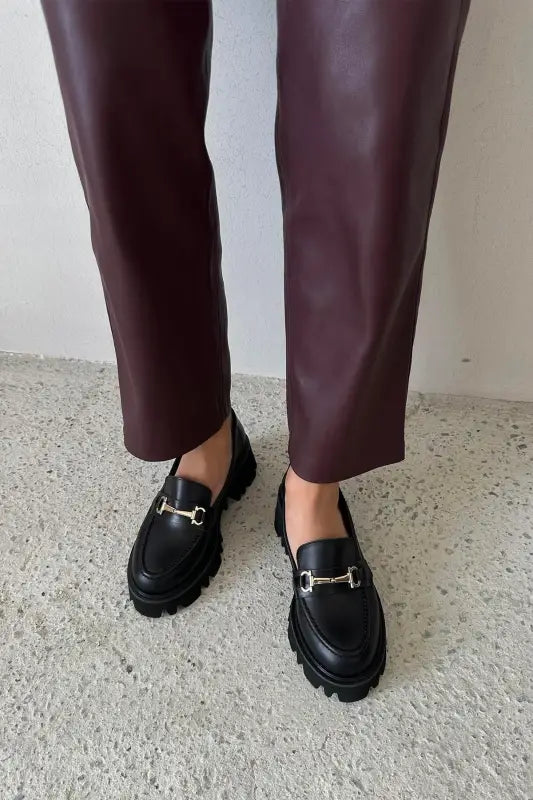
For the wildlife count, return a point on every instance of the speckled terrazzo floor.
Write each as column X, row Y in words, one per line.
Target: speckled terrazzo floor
column 98, row 702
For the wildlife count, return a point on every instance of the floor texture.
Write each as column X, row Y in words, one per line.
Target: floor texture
column 99, row 702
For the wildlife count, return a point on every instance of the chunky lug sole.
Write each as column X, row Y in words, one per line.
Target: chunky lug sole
column 150, row 605
column 350, row 689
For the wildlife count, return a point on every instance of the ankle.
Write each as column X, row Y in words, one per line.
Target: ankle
column 311, row 511
column 210, row 461
column 312, row 495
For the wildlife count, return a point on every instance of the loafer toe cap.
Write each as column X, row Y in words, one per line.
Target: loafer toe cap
column 342, row 633
column 163, row 554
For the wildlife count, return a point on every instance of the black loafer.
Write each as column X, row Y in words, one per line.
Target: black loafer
column 179, row 545
column 336, row 623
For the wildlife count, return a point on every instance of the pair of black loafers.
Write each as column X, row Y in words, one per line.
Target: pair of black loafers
column 336, row 624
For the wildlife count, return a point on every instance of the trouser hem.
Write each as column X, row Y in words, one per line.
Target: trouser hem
column 178, row 439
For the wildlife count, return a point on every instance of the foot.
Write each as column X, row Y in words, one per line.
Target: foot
column 178, row 547
column 209, row 463
column 311, row 511
column 336, row 624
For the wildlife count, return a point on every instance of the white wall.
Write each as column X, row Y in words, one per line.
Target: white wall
column 477, row 298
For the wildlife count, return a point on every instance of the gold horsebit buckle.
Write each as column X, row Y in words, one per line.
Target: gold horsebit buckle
column 307, row 581
column 196, row 516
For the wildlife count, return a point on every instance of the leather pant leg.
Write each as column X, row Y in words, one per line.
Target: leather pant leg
column 364, row 97
column 134, row 78
column 364, row 94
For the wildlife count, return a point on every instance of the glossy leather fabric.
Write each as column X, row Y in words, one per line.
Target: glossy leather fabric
column 169, row 552
column 134, row 77
column 339, row 628
column 364, row 94
column 364, row 90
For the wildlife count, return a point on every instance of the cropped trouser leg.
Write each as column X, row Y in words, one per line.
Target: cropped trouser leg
column 364, row 94
column 134, row 78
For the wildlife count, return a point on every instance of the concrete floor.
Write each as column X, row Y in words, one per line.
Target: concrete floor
column 99, row 702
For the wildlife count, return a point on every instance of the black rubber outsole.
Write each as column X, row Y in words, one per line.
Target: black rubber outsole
column 153, row 606
column 346, row 691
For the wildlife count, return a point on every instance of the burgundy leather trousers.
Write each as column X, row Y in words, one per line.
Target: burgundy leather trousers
column 364, row 97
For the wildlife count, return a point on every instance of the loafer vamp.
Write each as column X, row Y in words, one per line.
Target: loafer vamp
column 169, row 546
column 179, row 546
column 340, row 628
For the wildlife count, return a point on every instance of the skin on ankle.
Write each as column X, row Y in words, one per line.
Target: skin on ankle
column 311, row 511
column 209, row 463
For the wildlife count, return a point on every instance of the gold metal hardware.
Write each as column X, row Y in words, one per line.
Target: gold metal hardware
column 307, row 580
column 196, row 516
